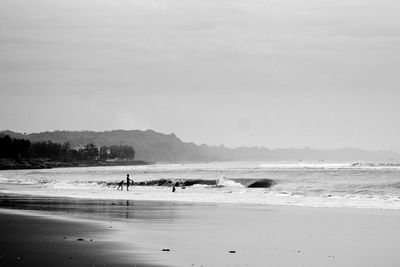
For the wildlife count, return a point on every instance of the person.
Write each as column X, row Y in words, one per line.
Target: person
column 120, row 184
column 128, row 181
column 173, row 189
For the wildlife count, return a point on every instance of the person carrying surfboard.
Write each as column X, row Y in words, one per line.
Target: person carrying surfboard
column 128, row 181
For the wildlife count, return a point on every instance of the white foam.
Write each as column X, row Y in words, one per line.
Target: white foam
column 328, row 165
column 228, row 183
column 305, row 165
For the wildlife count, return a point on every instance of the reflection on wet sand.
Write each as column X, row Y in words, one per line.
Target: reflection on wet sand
column 93, row 208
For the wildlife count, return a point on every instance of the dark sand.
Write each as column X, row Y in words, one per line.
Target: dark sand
column 32, row 240
column 184, row 234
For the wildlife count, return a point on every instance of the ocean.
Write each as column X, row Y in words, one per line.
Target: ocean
column 310, row 184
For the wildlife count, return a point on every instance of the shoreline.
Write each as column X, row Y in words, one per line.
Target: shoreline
column 195, row 234
column 14, row 196
column 141, row 197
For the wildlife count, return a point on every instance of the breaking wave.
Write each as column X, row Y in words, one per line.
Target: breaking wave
column 222, row 182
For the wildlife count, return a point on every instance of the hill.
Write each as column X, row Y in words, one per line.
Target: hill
column 154, row 146
column 148, row 145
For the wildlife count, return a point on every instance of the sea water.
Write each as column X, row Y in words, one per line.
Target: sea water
column 313, row 184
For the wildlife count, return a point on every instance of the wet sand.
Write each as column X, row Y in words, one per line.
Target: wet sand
column 183, row 234
column 36, row 240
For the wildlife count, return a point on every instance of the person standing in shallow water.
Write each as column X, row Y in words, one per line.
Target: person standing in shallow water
column 120, row 185
column 128, row 181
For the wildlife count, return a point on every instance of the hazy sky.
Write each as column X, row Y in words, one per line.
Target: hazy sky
column 276, row 73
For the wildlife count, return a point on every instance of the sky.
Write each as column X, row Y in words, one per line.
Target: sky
column 273, row 73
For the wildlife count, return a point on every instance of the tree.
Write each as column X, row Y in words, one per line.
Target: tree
column 117, row 152
column 91, row 151
column 13, row 148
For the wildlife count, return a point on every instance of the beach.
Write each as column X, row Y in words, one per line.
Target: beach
column 45, row 231
column 38, row 239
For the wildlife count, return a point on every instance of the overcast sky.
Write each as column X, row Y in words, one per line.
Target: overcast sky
column 274, row 73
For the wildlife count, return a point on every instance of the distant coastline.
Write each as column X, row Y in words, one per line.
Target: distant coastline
column 151, row 146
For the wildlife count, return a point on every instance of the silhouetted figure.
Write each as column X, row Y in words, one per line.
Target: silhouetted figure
column 128, row 181
column 120, row 184
column 173, row 189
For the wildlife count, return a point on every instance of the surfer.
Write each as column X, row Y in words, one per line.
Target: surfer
column 120, row 184
column 128, row 181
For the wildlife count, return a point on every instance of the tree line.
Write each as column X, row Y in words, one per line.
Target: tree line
column 20, row 148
